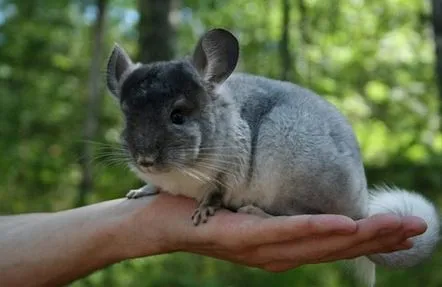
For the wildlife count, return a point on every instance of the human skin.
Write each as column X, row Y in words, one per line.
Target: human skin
column 52, row 249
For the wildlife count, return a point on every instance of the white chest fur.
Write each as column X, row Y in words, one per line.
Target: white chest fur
column 187, row 183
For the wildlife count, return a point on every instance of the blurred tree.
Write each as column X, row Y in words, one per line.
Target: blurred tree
column 41, row 70
column 155, row 30
column 304, row 40
column 284, row 45
column 93, row 105
column 437, row 28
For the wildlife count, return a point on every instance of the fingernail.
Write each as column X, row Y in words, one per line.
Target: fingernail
column 414, row 226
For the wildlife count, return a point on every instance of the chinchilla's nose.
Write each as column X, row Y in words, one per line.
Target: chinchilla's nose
column 145, row 161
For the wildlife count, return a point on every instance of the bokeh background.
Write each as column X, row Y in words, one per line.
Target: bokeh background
column 376, row 60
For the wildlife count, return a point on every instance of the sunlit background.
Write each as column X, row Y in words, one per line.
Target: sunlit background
column 375, row 60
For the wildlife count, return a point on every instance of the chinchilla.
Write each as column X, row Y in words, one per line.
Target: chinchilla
column 251, row 144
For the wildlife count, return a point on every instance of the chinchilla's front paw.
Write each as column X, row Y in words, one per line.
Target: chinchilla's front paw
column 146, row 190
column 208, row 205
column 202, row 214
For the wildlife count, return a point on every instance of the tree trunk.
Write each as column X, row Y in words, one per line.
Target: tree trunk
column 93, row 103
column 305, row 37
column 437, row 27
column 284, row 51
column 155, row 31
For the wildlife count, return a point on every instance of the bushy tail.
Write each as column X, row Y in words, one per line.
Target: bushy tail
column 403, row 203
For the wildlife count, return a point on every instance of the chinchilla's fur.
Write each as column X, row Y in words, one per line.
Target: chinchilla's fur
column 249, row 143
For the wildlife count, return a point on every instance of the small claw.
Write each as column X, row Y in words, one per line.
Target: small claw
column 202, row 214
column 211, row 211
column 196, row 217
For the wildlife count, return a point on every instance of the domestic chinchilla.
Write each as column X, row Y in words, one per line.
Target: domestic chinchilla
column 251, row 144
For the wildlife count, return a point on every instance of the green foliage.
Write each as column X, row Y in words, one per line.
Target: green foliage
column 373, row 59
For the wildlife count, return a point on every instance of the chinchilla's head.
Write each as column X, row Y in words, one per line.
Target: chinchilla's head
column 169, row 107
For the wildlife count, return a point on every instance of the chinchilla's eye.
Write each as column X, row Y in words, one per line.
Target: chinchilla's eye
column 177, row 117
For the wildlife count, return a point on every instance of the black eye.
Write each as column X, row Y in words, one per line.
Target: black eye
column 177, row 117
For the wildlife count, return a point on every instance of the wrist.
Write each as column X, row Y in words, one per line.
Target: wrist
column 138, row 230
column 159, row 224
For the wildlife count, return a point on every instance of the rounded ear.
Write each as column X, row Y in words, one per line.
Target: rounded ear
column 118, row 63
column 216, row 55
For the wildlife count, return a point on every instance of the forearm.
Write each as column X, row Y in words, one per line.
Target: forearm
column 56, row 248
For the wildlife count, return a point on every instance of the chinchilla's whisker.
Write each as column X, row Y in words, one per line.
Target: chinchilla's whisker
column 195, row 174
column 220, row 161
column 214, row 156
column 221, row 164
column 111, row 151
column 192, row 174
column 110, row 158
column 112, row 163
column 101, row 156
column 216, row 169
column 212, row 179
column 206, row 148
column 102, row 144
column 118, row 148
column 218, row 148
column 200, row 174
column 110, row 155
column 211, row 164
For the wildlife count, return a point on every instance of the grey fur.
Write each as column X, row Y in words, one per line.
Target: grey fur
column 251, row 143
column 323, row 154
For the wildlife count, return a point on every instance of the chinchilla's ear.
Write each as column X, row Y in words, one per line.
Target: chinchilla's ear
column 216, row 55
column 118, row 63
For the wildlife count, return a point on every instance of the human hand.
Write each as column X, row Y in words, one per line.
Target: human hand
column 273, row 244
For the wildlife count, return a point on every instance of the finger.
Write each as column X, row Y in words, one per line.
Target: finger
column 411, row 226
column 388, row 244
column 301, row 226
column 313, row 248
column 256, row 231
column 284, row 265
column 279, row 229
column 392, row 241
column 414, row 225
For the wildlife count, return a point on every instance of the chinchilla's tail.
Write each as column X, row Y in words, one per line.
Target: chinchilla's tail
column 403, row 203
